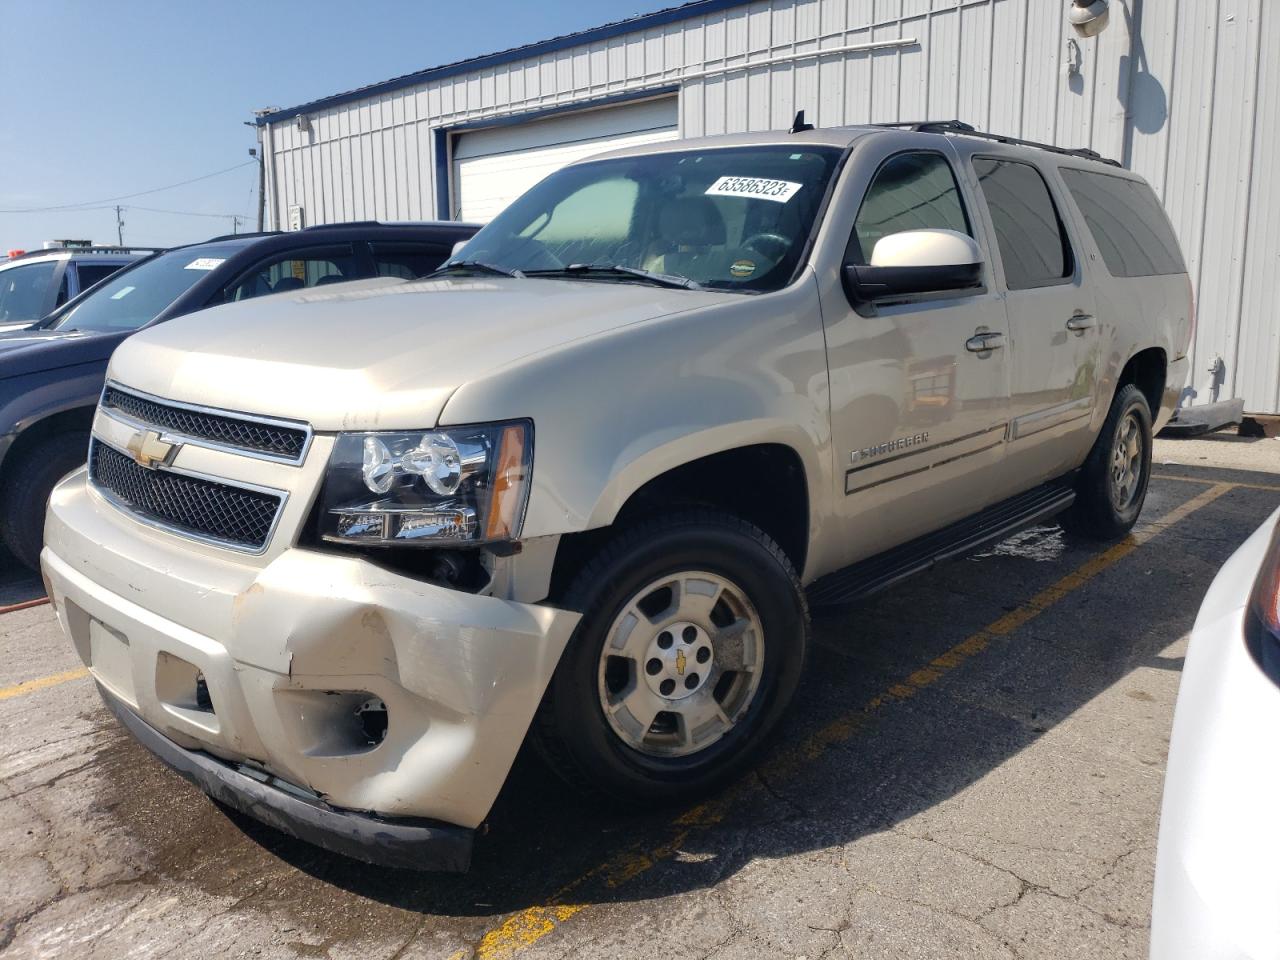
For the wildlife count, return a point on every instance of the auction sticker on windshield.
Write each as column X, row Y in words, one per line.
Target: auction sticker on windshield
column 779, row 191
column 203, row 263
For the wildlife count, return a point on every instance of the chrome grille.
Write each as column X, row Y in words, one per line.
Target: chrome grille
column 230, row 515
column 251, row 435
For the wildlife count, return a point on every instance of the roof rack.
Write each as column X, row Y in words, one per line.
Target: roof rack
column 237, row 236
column 960, row 128
column 94, row 249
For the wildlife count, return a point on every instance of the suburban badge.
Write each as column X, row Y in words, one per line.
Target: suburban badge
column 880, row 449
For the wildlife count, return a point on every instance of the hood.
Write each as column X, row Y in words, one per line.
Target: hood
column 33, row 351
column 377, row 359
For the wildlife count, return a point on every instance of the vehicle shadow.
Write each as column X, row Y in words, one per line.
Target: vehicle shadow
column 883, row 765
column 17, row 583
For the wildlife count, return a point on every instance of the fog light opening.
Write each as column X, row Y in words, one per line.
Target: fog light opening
column 203, row 700
column 372, row 717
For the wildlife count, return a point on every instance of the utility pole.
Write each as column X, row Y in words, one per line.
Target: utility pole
column 262, row 185
column 119, row 227
column 261, row 154
column 235, row 223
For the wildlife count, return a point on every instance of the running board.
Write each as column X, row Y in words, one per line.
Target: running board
column 870, row 576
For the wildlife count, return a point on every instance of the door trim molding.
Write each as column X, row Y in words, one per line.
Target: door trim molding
column 1033, row 423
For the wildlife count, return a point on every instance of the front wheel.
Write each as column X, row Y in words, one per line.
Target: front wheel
column 1112, row 485
column 25, row 493
column 690, row 646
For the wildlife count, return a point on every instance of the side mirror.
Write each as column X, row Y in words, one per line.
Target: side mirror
column 915, row 261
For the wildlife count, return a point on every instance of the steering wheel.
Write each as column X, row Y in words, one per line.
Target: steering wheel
column 772, row 245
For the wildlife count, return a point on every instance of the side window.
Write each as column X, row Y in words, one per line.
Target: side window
column 1033, row 242
column 407, row 260
column 91, row 273
column 24, row 290
column 1127, row 223
column 295, row 271
column 912, row 191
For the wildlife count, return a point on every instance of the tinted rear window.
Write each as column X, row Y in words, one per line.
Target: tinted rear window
column 91, row 273
column 1127, row 223
column 1033, row 244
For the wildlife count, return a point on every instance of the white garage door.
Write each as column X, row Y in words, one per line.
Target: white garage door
column 493, row 167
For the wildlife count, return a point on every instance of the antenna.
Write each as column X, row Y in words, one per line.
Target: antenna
column 798, row 125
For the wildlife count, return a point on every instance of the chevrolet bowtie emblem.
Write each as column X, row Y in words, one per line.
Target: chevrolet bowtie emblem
column 150, row 450
column 680, row 662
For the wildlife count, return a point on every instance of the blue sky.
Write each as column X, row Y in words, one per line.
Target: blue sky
column 106, row 99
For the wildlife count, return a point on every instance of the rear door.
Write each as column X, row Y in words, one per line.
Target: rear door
column 1055, row 341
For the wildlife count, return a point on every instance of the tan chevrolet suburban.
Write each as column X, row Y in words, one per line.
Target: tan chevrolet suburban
column 335, row 555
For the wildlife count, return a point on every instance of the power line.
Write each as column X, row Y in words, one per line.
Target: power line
column 179, row 213
column 188, row 213
column 128, row 196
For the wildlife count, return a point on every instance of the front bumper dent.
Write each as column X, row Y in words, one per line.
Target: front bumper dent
column 409, row 843
column 264, row 664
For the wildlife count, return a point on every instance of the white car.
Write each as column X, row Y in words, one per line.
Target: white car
column 33, row 284
column 1217, row 891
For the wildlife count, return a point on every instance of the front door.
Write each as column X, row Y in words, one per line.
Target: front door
column 919, row 387
column 1055, row 338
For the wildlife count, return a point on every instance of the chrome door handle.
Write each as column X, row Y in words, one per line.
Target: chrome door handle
column 984, row 341
column 1081, row 321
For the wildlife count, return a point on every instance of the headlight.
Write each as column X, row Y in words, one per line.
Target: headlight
column 457, row 484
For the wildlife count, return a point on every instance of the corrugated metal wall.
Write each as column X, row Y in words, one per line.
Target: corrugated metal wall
column 1187, row 93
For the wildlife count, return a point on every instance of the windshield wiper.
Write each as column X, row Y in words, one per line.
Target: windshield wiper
column 617, row 270
column 477, row 266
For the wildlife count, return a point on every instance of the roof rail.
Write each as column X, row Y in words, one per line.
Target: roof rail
column 348, row 223
column 93, row 249
column 960, row 128
column 237, row 236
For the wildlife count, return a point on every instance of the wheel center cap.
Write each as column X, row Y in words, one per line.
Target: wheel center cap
column 679, row 660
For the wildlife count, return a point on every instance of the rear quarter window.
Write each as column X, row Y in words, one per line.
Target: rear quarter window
column 1127, row 223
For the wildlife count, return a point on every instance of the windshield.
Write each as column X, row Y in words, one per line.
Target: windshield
column 24, row 291
column 729, row 219
column 133, row 297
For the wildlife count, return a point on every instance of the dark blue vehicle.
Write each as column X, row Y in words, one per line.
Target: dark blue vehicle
column 51, row 374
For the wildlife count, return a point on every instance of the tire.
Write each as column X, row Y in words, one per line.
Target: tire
column 695, row 552
column 1106, row 507
column 25, row 494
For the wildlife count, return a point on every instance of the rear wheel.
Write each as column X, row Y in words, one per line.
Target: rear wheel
column 25, row 494
column 1112, row 485
column 690, row 647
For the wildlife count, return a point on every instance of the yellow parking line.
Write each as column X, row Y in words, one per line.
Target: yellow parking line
column 522, row 930
column 42, row 683
column 1234, row 483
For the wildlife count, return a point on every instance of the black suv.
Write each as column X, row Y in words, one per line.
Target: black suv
column 51, row 374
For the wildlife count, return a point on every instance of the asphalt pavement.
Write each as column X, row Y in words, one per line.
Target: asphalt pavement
column 972, row 768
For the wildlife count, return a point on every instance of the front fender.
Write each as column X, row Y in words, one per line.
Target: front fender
column 614, row 411
column 30, row 398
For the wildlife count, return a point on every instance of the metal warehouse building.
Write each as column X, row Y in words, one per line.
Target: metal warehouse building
column 1187, row 92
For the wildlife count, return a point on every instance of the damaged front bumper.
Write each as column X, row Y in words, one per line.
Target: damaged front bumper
column 247, row 675
column 411, row 843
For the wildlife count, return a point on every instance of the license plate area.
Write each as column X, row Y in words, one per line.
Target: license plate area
column 110, row 660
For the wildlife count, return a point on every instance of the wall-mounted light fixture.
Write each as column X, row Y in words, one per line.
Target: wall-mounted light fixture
column 1089, row 17
column 303, row 122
